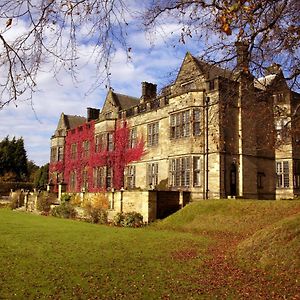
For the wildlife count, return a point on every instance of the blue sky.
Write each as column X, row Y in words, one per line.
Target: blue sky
column 153, row 58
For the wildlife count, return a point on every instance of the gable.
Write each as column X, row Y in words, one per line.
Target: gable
column 110, row 104
column 188, row 70
column 61, row 123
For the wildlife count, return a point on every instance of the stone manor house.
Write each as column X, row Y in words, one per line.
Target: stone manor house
column 213, row 133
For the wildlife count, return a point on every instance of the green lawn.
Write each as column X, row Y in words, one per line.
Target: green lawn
column 190, row 255
column 62, row 259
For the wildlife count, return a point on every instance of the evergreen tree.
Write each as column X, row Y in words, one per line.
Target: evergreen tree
column 42, row 177
column 13, row 159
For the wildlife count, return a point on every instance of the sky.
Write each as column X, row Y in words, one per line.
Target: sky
column 153, row 58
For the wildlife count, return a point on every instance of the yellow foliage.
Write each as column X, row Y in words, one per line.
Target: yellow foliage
column 75, row 200
column 98, row 200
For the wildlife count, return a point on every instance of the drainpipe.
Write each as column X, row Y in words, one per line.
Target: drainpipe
column 206, row 146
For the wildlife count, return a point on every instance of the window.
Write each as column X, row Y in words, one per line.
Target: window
column 260, row 176
column 186, row 123
column 196, row 171
column 85, row 179
column 98, row 142
column 282, row 129
column 53, row 155
column 185, row 171
column 86, row 149
column 60, row 153
column 153, row 134
column 130, row 177
column 110, row 141
column 74, row 151
column 279, row 97
column 108, row 177
column 180, row 171
column 132, row 138
column 180, row 124
column 196, row 122
column 282, row 171
column 99, row 176
column 211, row 85
column 297, row 173
column 73, row 181
column 152, row 174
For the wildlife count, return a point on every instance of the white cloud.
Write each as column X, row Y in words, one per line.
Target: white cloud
column 36, row 121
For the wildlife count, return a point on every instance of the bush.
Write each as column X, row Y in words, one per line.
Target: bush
column 6, row 187
column 75, row 199
column 64, row 210
column 16, row 200
column 97, row 215
column 65, row 198
column 130, row 219
column 96, row 208
column 43, row 203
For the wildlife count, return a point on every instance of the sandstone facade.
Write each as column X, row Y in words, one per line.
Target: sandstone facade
column 211, row 134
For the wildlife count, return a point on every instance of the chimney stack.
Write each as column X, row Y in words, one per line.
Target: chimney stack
column 92, row 114
column 149, row 91
column 242, row 51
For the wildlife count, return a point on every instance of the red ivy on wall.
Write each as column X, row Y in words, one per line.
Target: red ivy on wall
column 117, row 159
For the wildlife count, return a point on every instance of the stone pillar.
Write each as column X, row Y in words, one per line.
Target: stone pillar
column 61, row 190
column 181, row 199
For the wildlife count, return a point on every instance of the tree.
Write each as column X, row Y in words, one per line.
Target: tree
column 41, row 177
column 271, row 28
column 13, row 159
column 32, row 170
column 54, row 29
column 52, row 37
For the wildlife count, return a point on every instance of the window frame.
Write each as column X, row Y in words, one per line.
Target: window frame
column 153, row 134
column 180, row 124
column 282, row 174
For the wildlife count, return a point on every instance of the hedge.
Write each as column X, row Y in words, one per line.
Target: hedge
column 5, row 187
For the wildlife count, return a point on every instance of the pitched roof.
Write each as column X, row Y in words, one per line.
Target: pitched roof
column 263, row 82
column 73, row 121
column 124, row 101
column 212, row 70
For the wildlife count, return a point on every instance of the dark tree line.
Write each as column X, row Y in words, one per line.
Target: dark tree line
column 15, row 167
column 13, row 160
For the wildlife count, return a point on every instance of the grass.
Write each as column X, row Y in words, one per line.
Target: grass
column 229, row 216
column 275, row 248
column 46, row 257
column 190, row 255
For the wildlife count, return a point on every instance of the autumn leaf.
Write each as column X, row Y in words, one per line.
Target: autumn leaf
column 226, row 28
column 8, row 22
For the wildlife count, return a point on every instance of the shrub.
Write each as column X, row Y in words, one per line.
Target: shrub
column 118, row 219
column 98, row 200
column 130, row 219
column 96, row 208
column 64, row 210
column 6, row 187
column 97, row 215
column 65, row 198
column 16, row 200
column 75, row 199
column 43, row 203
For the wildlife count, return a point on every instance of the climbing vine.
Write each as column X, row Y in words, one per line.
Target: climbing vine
column 81, row 158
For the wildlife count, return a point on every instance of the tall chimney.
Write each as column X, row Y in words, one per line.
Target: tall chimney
column 242, row 56
column 149, row 91
column 92, row 113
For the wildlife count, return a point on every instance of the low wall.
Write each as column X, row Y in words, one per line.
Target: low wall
column 143, row 202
